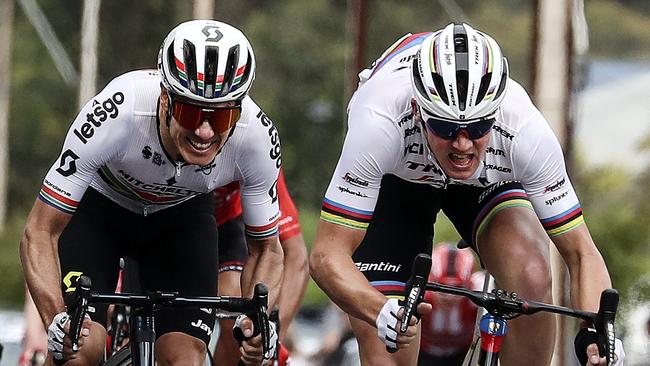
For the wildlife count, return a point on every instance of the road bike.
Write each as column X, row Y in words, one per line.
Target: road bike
column 142, row 336
column 502, row 306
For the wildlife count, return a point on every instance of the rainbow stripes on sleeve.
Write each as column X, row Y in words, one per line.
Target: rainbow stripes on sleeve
column 566, row 221
column 57, row 201
column 344, row 215
column 261, row 232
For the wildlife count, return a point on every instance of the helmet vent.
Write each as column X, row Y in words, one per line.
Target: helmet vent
column 231, row 69
column 462, row 79
column 440, row 87
column 171, row 61
column 418, row 80
column 189, row 56
column 460, row 39
column 482, row 89
column 504, row 78
column 210, row 77
column 247, row 71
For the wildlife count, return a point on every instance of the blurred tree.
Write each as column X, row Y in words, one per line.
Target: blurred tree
column 617, row 211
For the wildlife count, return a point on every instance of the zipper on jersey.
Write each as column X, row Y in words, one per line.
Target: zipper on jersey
column 145, row 211
column 179, row 165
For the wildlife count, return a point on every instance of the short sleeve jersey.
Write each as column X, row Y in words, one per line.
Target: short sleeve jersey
column 114, row 146
column 383, row 138
column 229, row 207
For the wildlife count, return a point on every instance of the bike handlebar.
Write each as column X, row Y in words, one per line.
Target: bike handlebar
column 508, row 305
column 255, row 307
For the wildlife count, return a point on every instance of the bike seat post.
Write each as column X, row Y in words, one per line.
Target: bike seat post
column 142, row 336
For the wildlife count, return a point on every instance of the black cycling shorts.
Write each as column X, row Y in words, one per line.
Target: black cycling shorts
column 175, row 248
column 233, row 250
column 402, row 225
column 426, row 359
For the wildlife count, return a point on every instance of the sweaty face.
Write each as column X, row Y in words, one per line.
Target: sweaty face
column 459, row 157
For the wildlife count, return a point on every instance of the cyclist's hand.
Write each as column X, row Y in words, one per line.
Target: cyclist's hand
column 389, row 320
column 594, row 358
column 59, row 343
column 587, row 349
column 252, row 348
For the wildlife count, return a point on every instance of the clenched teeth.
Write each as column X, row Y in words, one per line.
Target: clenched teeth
column 200, row 146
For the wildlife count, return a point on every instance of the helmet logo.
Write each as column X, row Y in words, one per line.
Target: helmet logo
column 212, row 33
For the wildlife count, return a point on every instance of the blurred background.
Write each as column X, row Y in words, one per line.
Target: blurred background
column 586, row 65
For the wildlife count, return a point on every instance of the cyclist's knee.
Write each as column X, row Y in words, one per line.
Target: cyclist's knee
column 179, row 349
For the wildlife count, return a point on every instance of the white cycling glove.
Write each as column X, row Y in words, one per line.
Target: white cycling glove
column 387, row 323
column 273, row 338
column 619, row 352
column 55, row 335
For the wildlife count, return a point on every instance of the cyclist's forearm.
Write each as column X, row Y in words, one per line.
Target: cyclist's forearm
column 588, row 279
column 39, row 256
column 264, row 264
column 589, row 276
column 294, row 282
column 337, row 275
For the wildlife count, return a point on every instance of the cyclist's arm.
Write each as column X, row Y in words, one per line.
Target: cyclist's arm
column 332, row 268
column 294, row 283
column 589, row 276
column 40, row 258
column 264, row 264
column 539, row 164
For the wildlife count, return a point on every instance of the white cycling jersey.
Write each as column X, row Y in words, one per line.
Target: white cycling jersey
column 383, row 138
column 114, row 146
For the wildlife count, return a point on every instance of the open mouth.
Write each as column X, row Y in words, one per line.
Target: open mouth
column 200, row 146
column 461, row 161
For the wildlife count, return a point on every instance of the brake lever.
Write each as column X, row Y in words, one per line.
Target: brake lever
column 261, row 296
column 78, row 309
column 605, row 322
column 414, row 291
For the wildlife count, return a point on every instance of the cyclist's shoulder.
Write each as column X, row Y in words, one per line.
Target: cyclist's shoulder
column 518, row 109
column 254, row 139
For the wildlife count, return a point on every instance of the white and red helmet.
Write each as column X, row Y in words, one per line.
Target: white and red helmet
column 207, row 61
column 459, row 74
column 451, row 266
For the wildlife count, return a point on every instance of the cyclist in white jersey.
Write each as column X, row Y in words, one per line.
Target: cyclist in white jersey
column 132, row 179
column 436, row 124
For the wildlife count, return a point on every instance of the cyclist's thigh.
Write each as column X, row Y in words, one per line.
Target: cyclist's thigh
column 91, row 244
column 180, row 255
column 401, row 227
column 472, row 208
column 372, row 350
column 500, row 219
column 233, row 250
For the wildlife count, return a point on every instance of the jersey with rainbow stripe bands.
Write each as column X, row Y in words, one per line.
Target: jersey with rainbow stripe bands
column 114, row 146
column 383, row 138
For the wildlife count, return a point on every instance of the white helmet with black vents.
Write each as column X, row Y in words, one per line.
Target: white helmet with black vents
column 459, row 74
column 207, row 61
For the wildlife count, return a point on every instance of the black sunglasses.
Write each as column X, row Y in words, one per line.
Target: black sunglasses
column 449, row 130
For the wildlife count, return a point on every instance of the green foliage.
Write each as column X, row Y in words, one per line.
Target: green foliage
column 12, row 289
column 617, row 215
column 618, row 31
